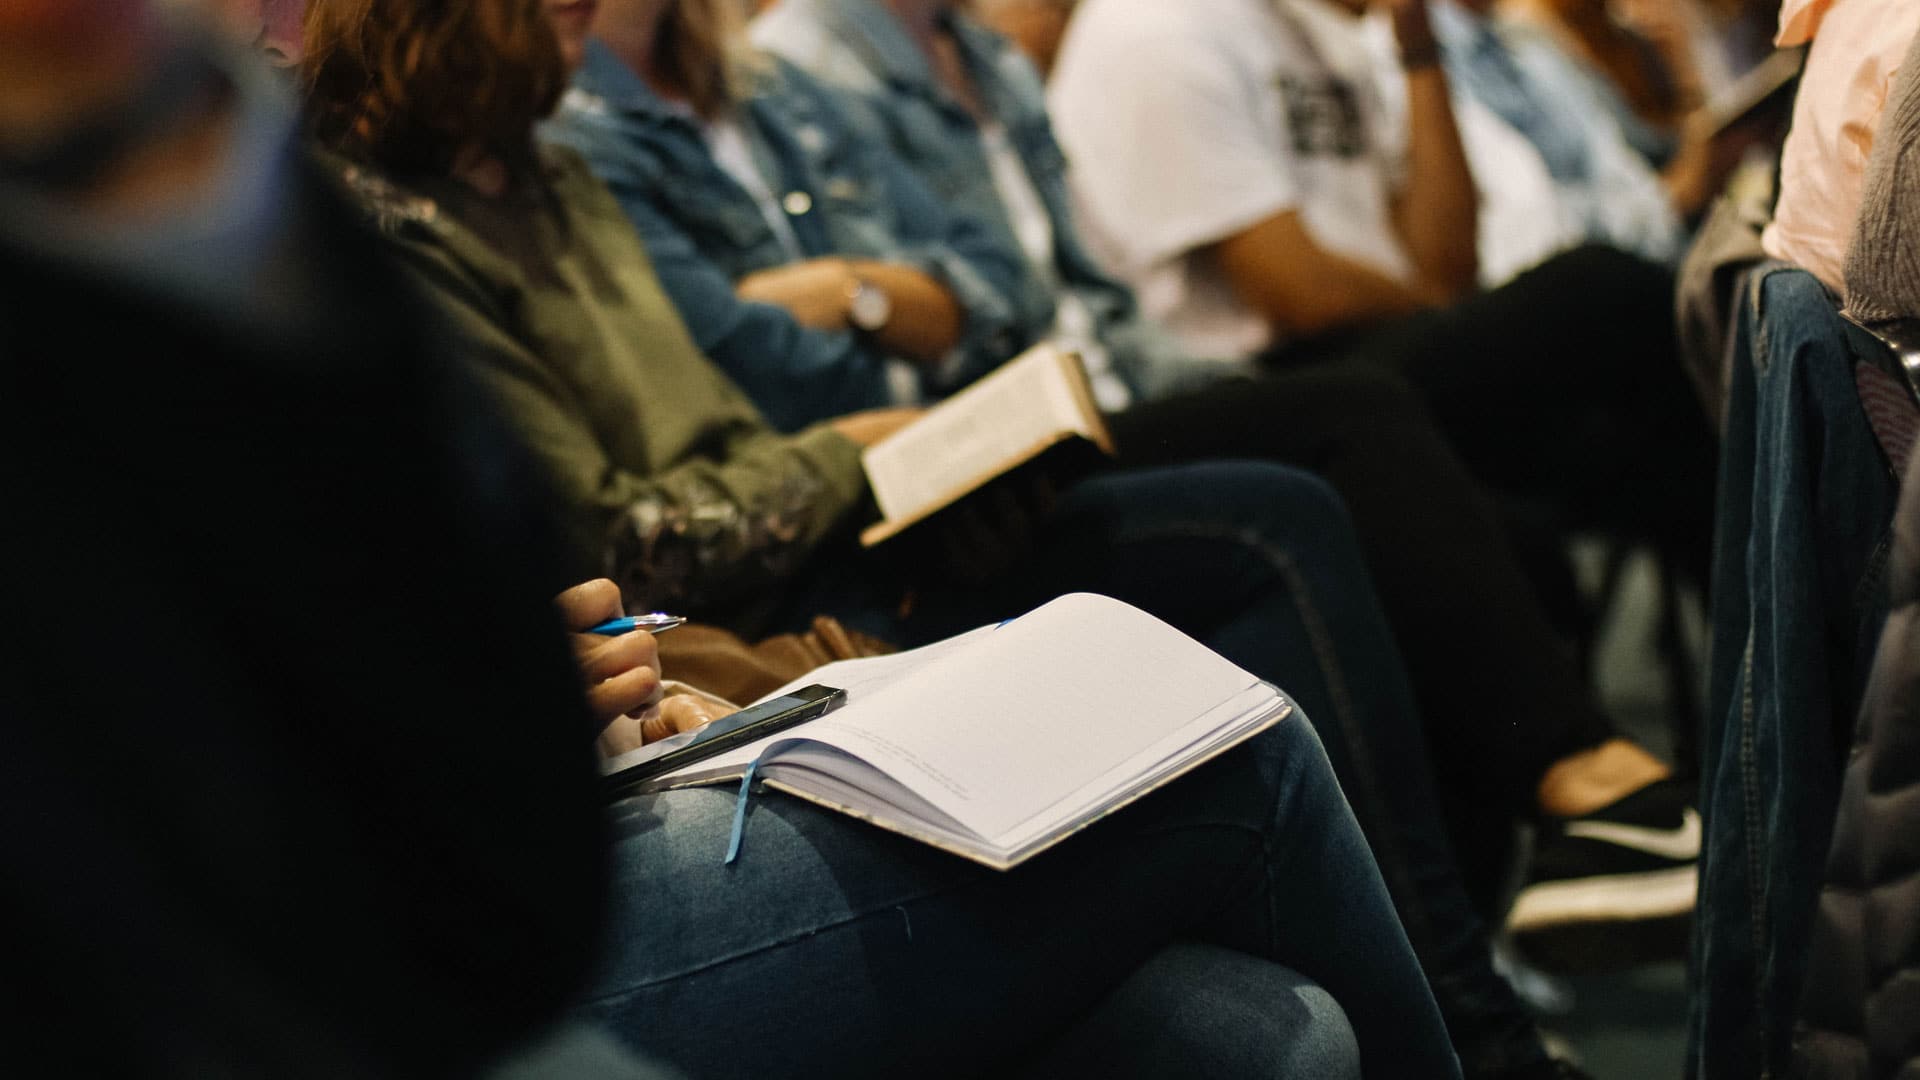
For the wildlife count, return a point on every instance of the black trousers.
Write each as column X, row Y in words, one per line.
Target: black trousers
column 1500, row 695
column 1563, row 388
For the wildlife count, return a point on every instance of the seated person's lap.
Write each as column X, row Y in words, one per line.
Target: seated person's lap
column 885, row 954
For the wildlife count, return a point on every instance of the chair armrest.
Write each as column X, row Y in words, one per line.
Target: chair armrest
column 1901, row 358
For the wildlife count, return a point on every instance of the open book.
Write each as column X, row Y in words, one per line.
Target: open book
column 1034, row 403
column 999, row 743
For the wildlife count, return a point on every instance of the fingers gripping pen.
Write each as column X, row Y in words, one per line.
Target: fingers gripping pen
column 657, row 622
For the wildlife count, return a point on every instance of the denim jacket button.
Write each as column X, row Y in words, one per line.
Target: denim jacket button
column 797, row 203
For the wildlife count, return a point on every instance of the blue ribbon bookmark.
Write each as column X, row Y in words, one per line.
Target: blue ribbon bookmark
column 740, row 812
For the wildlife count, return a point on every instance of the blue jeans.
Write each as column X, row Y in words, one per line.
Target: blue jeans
column 1804, row 509
column 1206, row 1010
column 1258, row 561
column 831, row 948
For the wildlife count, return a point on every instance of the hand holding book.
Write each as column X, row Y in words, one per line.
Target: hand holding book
column 875, row 425
column 1036, row 406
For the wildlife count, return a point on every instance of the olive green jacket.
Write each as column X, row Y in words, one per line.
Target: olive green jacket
column 674, row 485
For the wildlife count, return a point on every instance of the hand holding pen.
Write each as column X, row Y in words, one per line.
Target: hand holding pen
column 620, row 667
column 654, row 622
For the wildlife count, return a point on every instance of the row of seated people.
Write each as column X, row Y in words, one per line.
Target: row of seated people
column 354, row 829
column 1650, row 66
column 1808, row 482
column 767, row 215
column 1582, row 120
column 1634, row 763
column 668, row 476
column 770, row 191
column 1107, row 532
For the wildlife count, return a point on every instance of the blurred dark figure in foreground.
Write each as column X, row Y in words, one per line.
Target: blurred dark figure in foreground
column 286, row 794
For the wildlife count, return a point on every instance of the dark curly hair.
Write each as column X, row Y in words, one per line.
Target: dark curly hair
column 408, row 85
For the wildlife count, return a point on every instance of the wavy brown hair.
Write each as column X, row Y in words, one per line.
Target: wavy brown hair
column 409, row 85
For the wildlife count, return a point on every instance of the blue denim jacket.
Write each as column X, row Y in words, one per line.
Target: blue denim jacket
column 859, row 46
column 1803, row 516
column 843, row 195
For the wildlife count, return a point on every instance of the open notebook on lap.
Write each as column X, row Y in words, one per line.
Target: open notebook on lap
column 997, row 744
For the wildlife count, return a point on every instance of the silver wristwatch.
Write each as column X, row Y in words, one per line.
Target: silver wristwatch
column 869, row 307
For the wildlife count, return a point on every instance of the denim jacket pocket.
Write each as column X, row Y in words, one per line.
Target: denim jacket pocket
column 853, row 203
column 857, row 217
column 721, row 224
column 932, row 144
column 839, row 176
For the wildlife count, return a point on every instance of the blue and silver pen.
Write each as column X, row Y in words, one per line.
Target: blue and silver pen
column 658, row 622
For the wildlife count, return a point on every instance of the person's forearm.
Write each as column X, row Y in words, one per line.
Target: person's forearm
column 1342, row 293
column 1279, row 269
column 708, row 532
column 926, row 321
column 1436, row 214
column 1700, row 165
column 1685, row 183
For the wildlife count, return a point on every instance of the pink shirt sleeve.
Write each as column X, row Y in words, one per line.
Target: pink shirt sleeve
column 1857, row 46
column 1799, row 21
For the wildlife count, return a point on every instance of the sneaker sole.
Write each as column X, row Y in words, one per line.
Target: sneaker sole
column 1616, row 898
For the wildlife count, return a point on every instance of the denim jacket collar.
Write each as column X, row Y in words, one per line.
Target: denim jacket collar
column 989, row 56
column 877, row 34
column 608, row 80
column 605, row 84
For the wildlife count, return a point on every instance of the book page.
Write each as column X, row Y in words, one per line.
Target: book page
column 861, row 679
column 1023, row 715
column 1026, row 404
column 873, row 798
column 1223, row 725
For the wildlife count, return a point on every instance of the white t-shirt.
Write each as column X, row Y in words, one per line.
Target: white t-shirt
column 1525, row 215
column 1190, row 121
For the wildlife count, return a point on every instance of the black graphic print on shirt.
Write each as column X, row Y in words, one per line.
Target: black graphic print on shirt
column 1323, row 113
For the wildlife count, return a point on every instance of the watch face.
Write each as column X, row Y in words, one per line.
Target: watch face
column 870, row 308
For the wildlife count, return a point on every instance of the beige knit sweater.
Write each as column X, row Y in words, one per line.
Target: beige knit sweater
column 1883, row 264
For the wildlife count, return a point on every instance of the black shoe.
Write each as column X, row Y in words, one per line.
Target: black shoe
column 1613, row 888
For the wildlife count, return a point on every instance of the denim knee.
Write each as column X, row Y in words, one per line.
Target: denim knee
column 1197, row 1009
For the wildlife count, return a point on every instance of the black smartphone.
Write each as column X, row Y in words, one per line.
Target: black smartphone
column 728, row 732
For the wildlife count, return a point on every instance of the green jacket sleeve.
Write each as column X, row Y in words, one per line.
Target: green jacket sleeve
column 691, row 535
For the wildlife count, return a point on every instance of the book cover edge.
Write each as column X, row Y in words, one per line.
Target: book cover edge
column 994, row 862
